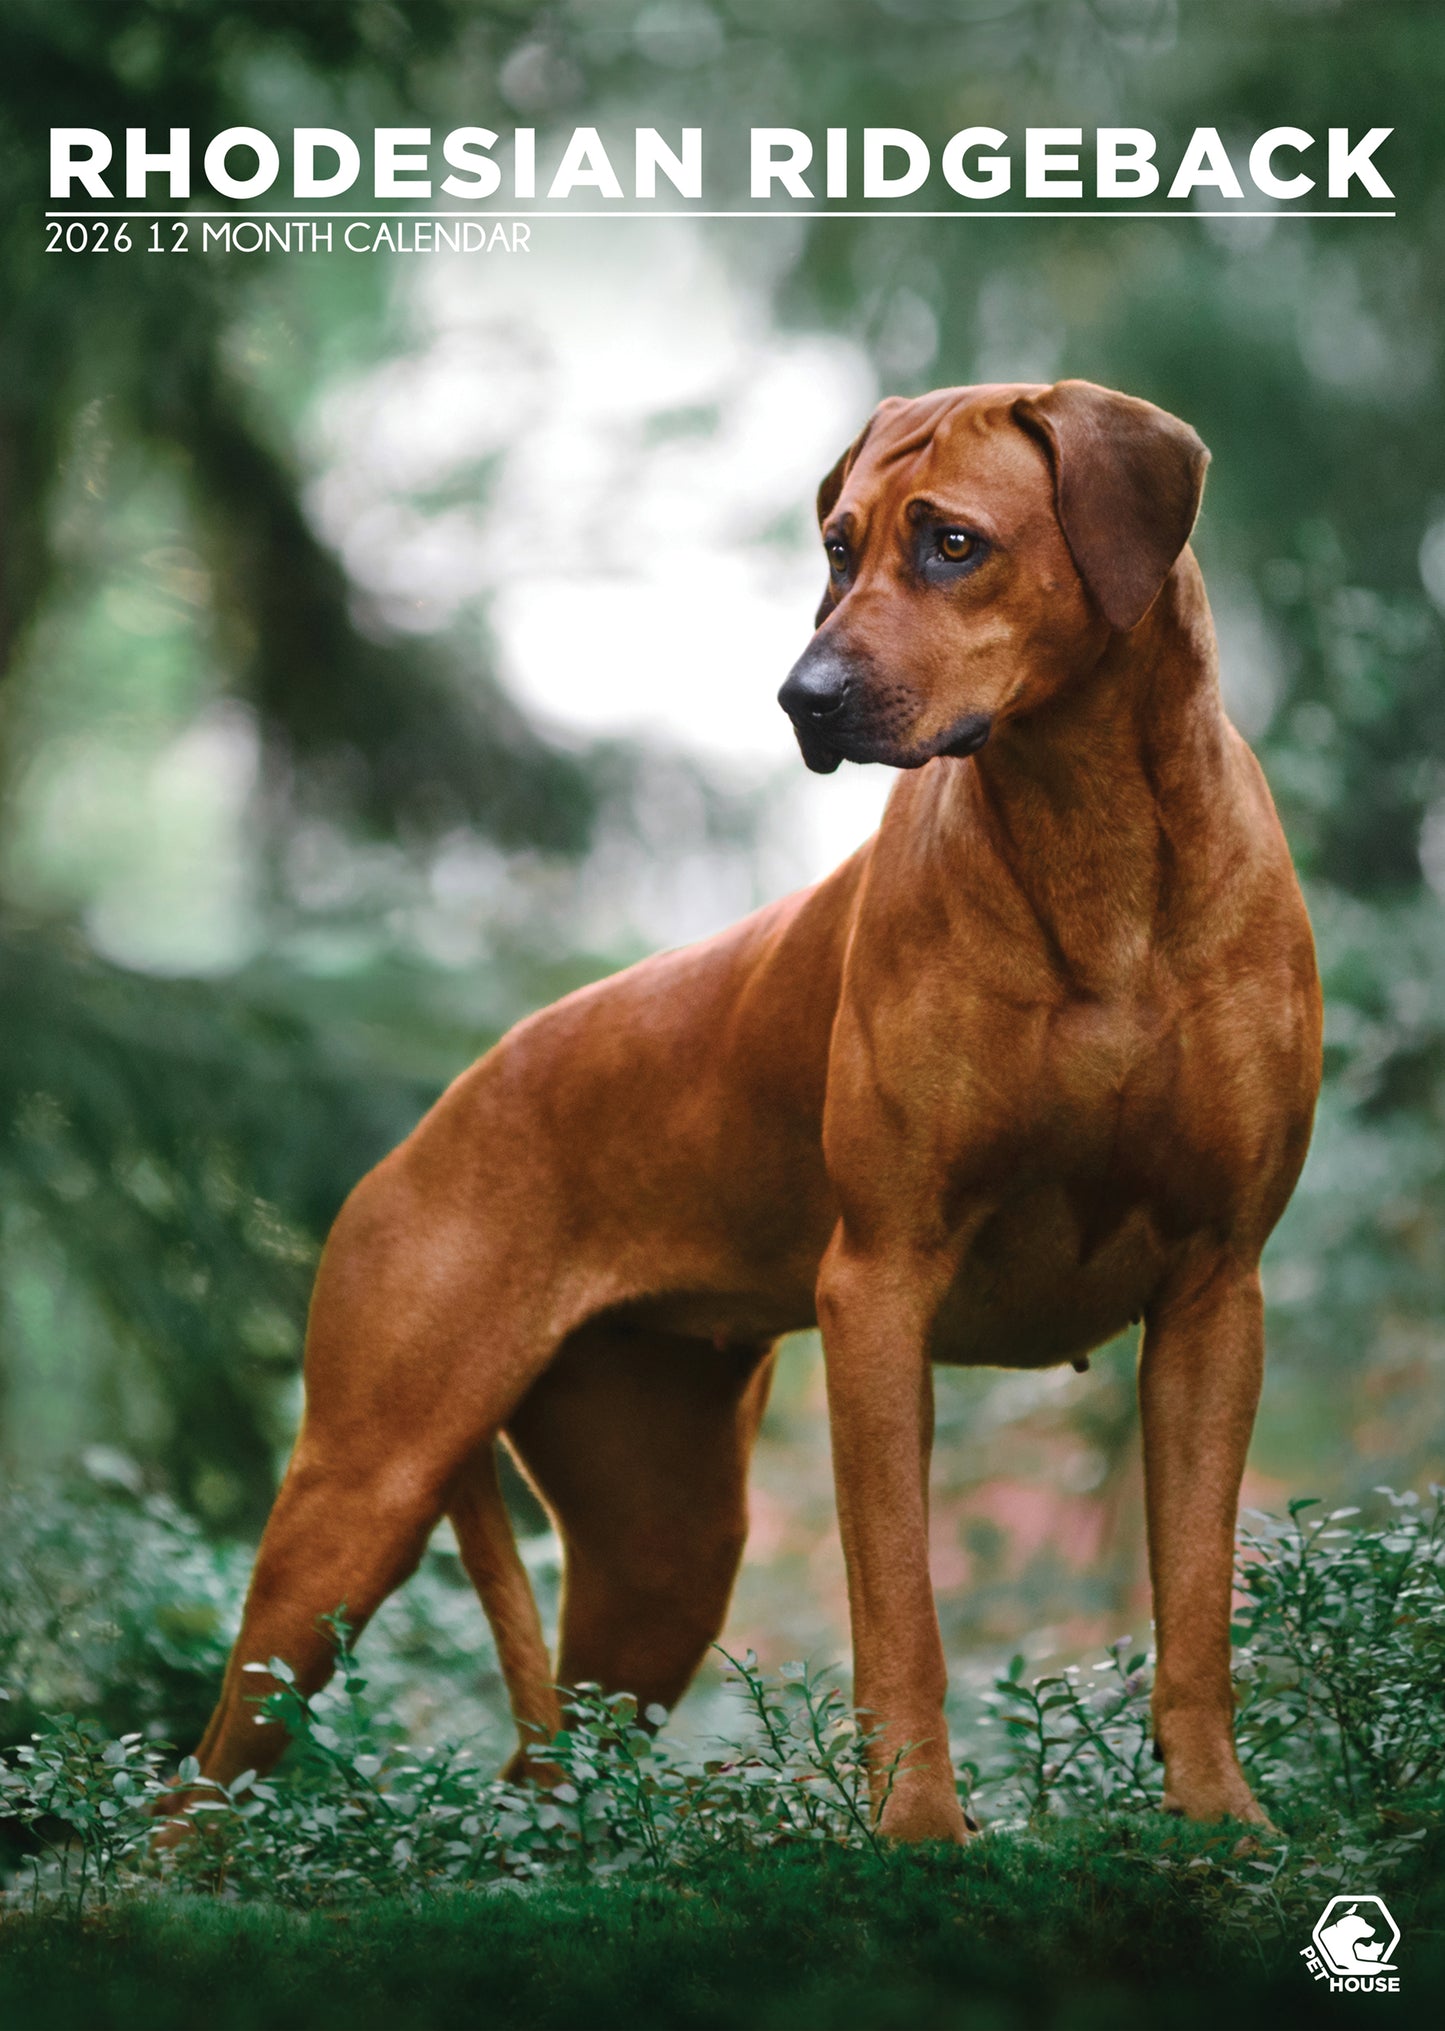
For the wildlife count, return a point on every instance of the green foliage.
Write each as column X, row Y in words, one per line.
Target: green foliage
column 1341, row 1727
column 1074, row 1742
column 387, row 725
column 1339, row 1677
column 111, row 1606
column 370, row 1811
column 174, row 1150
column 83, row 1798
column 1345, row 1629
column 363, row 1811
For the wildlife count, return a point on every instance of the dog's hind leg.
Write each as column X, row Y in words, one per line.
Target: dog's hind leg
column 488, row 1545
column 639, row 1444
column 404, row 1386
column 344, row 1532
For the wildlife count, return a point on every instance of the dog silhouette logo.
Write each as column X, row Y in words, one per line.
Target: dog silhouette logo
column 1355, row 1940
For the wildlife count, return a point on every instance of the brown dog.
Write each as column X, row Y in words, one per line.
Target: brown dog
column 1039, row 1060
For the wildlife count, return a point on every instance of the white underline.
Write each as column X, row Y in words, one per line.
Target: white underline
column 801, row 212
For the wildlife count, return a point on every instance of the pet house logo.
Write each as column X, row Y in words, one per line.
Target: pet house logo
column 1354, row 1941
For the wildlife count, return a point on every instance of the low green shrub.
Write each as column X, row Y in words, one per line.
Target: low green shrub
column 1341, row 1727
column 1344, row 1669
column 361, row 1811
column 1339, row 1673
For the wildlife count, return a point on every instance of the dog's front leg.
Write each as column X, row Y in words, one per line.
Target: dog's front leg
column 880, row 1404
column 1199, row 1381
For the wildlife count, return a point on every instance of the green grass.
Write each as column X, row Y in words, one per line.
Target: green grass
column 1082, row 1929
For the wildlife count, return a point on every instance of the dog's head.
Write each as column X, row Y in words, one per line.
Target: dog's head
column 983, row 545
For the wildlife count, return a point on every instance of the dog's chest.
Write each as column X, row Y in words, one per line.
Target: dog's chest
column 1077, row 1092
column 1076, row 1163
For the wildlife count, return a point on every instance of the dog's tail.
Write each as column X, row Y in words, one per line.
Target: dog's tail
column 489, row 1551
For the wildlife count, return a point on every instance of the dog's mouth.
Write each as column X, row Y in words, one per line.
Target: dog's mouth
column 826, row 740
column 819, row 754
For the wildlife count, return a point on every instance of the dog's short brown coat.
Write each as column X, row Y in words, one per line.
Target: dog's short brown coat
column 1039, row 1060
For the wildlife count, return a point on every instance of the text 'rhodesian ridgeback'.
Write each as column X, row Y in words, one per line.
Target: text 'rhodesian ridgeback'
column 1038, row 1061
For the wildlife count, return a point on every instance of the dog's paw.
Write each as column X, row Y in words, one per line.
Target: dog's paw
column 1210, row 1802
column 926, row 1815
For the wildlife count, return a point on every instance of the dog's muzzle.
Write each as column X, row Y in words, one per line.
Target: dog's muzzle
column 841, row 713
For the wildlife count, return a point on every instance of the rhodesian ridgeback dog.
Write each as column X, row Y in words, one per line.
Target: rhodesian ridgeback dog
column 1039, row 1061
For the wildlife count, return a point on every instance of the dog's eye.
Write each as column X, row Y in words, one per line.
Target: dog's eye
column 837, row 558
column 954, row 545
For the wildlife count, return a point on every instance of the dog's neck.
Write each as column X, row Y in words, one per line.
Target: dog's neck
column 1085, row 799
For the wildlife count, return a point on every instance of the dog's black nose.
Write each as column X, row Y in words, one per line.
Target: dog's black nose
column 816, row 688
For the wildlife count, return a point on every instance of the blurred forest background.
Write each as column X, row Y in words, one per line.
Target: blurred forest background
column 288, row 833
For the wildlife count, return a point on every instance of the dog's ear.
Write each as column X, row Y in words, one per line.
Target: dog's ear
column 831, row 485
column 1127, row 482
column 829, row 488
